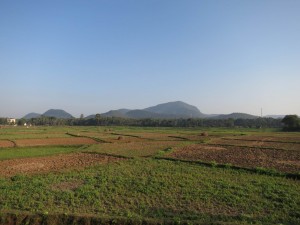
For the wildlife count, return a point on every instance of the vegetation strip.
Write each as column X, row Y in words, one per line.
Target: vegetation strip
column 93, row 138
column 295, row 176
column 182, row 138
column 23, row 217
column 128, row 135
column 250, row 140
column 255, row 147
column 107, row 154
column 131, row 135
column 37, row 151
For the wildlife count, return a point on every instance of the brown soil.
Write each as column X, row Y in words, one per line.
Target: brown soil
column 12, row 167
column 55, row 141
column 265, row 143
column 276, row 138
column 6, row 144
column 284, row 161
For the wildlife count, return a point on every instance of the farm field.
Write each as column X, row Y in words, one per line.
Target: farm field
column 134, row 175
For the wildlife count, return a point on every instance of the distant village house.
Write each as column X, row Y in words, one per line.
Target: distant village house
column 11, row 121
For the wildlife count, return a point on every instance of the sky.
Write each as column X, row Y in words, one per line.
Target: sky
column 89, row 57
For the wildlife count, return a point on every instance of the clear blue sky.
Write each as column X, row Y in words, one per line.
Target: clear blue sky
column 93, row 56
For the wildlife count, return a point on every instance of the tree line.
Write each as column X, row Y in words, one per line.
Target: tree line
column 117, row 121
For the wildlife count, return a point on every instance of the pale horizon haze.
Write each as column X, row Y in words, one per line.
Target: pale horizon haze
column 88, row 57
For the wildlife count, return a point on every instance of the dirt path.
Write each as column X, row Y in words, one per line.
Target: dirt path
column 13, row 167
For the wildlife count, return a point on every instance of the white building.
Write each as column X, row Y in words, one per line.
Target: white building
column 11, row 121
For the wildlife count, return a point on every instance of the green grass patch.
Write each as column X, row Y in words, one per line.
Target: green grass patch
column 27, row 152
column 148, row 188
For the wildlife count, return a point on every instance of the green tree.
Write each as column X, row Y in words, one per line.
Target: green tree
column 291, row 122
column 98, row 118
column 21, row 121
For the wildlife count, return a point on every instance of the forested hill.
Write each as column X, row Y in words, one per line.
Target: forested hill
column 169, row 110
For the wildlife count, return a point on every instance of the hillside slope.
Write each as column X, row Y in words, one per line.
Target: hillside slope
column 178, row 109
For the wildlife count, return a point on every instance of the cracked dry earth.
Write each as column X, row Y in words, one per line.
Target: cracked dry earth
column 36, row 165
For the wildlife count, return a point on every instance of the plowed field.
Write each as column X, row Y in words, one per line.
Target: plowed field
column 275, row 137
column 54, row 141
column 12, row 167
column 6, row 144
column 264, row 143
column 285, row 161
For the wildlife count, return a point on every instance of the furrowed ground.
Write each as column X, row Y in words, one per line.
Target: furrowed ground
column 104, row 175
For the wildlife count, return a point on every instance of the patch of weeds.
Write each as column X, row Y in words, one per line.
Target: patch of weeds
column 267, row 171
column 228, row 165
column 214, row 164
column 18, row 177
column 163, row 152
column 205, row 141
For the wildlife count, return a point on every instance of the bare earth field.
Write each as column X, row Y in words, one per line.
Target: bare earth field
column 260, row 143
column 292, row 138
column 6, row 144
column 281, row 160
column 60, row 162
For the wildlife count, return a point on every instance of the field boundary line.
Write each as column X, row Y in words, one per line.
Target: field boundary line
column 178, row 137
column 131, row 135
column 93, row 138
column 256, row 147
column 108, row 154
column 250, row 140
column 27, row 217
column 258, row 170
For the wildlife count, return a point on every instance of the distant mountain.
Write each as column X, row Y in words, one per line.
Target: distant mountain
column 140, row 114
column 90, row 117
column 235, row 116
column 111, row 113
column 275, row 116
column 211, row 115
column 123, row 111
column 116, row 113
column 169, row 110
column 31, row 115
column 176, row 109
column 58, row 113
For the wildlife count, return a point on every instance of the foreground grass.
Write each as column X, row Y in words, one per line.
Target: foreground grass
column 27, row 152
column 157, row 189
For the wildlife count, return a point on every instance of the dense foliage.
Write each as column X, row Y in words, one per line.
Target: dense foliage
column 3, row 121
column 291, row 123
column 117, row 121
